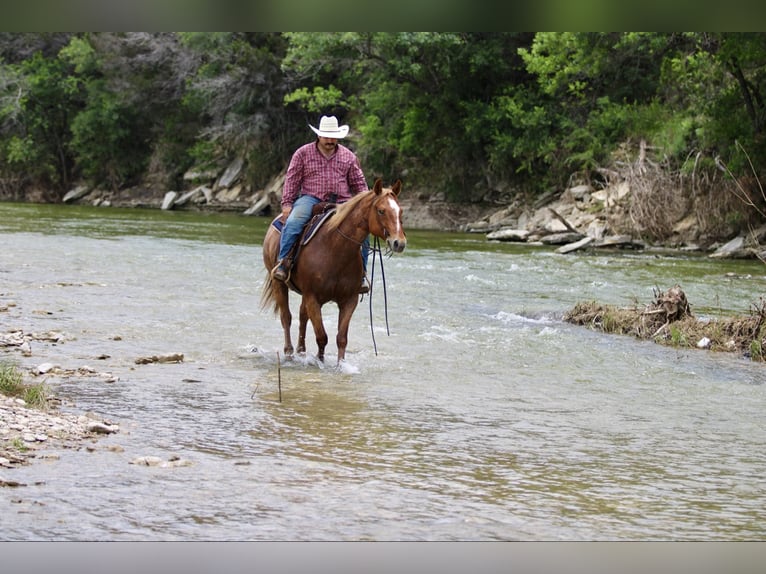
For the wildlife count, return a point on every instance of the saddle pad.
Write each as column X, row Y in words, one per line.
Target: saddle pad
column 311, row 227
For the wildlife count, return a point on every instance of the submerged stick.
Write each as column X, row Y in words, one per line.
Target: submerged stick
column 279, row 377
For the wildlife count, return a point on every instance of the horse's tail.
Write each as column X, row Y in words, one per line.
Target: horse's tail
column 267, row 295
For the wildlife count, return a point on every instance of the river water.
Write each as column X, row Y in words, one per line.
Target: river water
column 475, row 412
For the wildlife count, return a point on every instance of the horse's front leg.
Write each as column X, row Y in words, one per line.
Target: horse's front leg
column 345, row 311
column 314, row 313
column 303, row 318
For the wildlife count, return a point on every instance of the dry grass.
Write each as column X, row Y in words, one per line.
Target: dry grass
column 668, row 320
column 663, row 194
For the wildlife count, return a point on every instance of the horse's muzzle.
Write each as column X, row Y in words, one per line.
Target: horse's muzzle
column 396, row 245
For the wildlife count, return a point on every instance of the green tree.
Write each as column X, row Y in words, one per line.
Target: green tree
column 238, row 89
column 133, row 85
column 416, row 99
column 37, row 102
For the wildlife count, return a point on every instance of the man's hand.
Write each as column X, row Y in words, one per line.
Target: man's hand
column 285, row 212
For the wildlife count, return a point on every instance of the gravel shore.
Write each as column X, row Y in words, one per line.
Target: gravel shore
column 28, row 433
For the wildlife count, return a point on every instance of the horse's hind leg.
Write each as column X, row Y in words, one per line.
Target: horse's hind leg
column 281, row 298
column 302, row 321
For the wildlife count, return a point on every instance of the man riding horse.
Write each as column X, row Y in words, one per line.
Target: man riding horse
column 320, row 171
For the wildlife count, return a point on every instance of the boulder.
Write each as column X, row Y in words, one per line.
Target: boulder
column 259, row 206
column 508, row 235
column 169, row 200
column 734, row 249
column 231, row 174
column 618, row 241
column 184, row 199
column 569, row 247
column 561, row 238
column 76, row 193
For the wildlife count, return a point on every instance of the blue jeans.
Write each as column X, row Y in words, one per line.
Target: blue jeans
column 293, row 227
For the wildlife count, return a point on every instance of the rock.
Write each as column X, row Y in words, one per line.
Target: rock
column 508, row 235
column 179, row 462
column 76, row 193
column 147, row 461
column 734, row 249
column 184, row 198
column 43, row 368
column 561, row 238
column 575, row 246
column 259, row 206
column 618, row 241
column 231, row 174
column 169, row 200
column 102, row 428
column 37, row 429
column 703, row 343
column 227, row 194
column 174, row 462
column 597, row 229
column 504, row 218
column 171, row 358
column 612, row 195
column 481, row 226
column 554, row 225
column 579, row 192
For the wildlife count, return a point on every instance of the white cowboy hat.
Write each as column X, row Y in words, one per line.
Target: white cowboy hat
column 328, row 128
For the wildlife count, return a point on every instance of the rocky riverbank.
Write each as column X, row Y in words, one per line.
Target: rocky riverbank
column 32, row 433
column 573, row 219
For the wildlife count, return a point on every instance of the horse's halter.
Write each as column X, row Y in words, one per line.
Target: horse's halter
column 390, row 197
column 386, row 233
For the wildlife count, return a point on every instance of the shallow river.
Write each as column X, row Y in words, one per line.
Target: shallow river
column 482, row 415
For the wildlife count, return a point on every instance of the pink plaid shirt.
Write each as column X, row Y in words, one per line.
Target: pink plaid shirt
column 310, row 173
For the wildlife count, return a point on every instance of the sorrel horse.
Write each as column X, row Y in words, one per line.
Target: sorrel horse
column 329, row 266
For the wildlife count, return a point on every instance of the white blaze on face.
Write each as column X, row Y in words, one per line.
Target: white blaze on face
column 396, row 208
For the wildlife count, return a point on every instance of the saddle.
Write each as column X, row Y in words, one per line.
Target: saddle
column 320, row 213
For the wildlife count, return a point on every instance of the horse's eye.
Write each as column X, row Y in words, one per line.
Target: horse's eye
column 381, row 211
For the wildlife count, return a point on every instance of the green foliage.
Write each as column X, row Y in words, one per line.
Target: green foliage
column 36, row 396
column 34, row 119
column 11, row 380
column 678, row 337
column 317, row 99
column 12, row 385
column 459, row 113
column 103, row 141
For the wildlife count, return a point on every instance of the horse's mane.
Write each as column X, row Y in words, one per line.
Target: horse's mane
column 345, row 209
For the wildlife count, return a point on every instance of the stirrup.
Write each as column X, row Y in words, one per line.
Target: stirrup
column 364, row 287
column 279, row 272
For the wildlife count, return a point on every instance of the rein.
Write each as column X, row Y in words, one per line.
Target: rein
column 351, row 239
column 376, row 249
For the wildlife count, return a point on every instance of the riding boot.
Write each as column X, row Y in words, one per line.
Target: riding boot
column 281, row 271
column 364, row 287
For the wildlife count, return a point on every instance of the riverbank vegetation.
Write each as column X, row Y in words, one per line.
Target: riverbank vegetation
column 474, row 117
column 668, row 320
column 12, row 385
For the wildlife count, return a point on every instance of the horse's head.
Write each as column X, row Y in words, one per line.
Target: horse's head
column 386, row 216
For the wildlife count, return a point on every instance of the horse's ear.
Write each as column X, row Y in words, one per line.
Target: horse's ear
column 378, row 187
column 397, row 187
